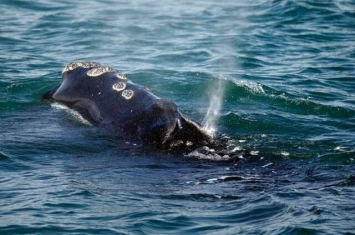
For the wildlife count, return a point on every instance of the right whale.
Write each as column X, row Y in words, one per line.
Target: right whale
column 106, row 98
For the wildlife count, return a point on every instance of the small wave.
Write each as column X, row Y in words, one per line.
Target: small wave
column 253, row 87
column 3, row 156
column 309, row 106
column 43, row 228
column 229, row 178
column 200, row 197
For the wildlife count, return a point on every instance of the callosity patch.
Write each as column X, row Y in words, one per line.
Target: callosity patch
column 95, row 72
column 127, row 94
column 120, row 86
column 74, row 65
column 121, row 76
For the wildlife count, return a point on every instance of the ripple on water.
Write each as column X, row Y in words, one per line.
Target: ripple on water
column 288, row 111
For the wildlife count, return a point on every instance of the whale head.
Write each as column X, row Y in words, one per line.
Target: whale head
column 167, row 127
column 108, row 99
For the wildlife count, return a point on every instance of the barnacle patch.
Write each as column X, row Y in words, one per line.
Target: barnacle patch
column 121, row 76
column 89, row 64
column 95, row 72
column 127, row 94
column 120, row 86
column 74, row 65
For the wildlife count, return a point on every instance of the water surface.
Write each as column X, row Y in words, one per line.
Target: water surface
column 287, row 69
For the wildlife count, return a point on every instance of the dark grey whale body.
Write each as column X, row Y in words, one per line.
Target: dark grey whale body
column 105, row 98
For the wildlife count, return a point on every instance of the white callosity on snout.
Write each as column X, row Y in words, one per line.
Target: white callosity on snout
column 127, row 94
column 74, row 65
column 95, row 72
column 121, row 76
column 120, row 86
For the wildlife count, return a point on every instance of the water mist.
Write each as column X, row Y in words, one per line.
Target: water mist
column 216, row 93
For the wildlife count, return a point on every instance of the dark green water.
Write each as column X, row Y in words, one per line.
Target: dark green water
column 287, row 68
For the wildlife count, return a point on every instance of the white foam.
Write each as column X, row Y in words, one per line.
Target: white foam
column 268, row 164
column 213, row 180
column 208, row 154
column 59, row 106
column 342, row 149
column 74, row 113
column 251, row 86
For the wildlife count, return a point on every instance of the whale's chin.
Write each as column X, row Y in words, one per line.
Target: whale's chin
column 179, row 133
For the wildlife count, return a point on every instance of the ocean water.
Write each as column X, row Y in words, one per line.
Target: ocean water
column 275, row 76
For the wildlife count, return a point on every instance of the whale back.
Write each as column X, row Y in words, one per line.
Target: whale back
column 103, row 96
